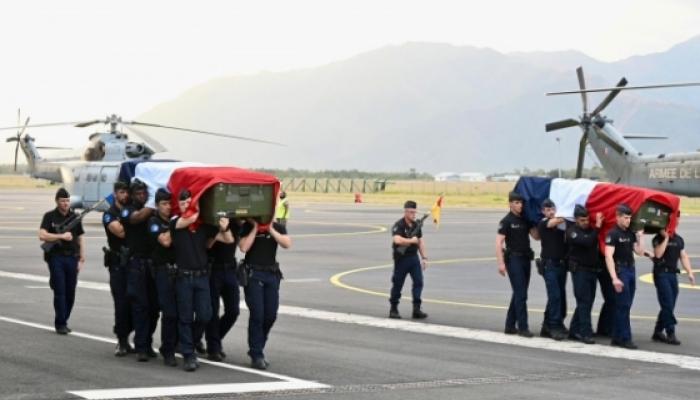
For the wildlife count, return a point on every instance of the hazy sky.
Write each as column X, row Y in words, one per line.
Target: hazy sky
column 74, row 60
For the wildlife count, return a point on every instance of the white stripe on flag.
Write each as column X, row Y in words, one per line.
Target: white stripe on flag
column 566, row 193
column 156, row 175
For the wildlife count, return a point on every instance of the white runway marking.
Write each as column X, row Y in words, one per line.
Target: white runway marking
column 37, row 287
column 677, row 360
column 285, row 382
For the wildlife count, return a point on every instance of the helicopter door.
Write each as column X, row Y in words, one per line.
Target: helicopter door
column 90, row 177
column 108, row 175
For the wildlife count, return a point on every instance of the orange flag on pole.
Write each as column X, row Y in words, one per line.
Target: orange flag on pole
column 435, row 211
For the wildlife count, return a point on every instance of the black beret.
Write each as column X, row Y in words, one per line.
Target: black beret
column 624, row 209
column 137, row 184
column 548, row 203
column 580, row 211
column 184, row 194
column 162, row 195
column 410, row 204
column 515, row 196
column 62, row 194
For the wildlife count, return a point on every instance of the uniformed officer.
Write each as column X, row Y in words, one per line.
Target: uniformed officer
column 141, row 287
column 584, row 264
column 262, row 289
column 514, row 232
column 553, row 271
column 223, row 286
column 116, row 260
column 282, row 212
column 668, row 249
column 164, row 272
column 620, row 245
column 190, row 242
column 409, row 259
column 65, row 259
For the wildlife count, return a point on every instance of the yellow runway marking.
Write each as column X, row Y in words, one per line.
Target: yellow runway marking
column 336, row 280
column 649, row 278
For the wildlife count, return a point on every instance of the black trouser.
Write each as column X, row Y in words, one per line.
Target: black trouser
column 193, row 307
column 606, row 319
column 165, row 283
column 141, row 290
column 223, row 284
column 123, row 324
column 584, row 281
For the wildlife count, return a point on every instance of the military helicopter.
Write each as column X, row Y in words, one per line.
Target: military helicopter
column 89, row 176
column 677, row 173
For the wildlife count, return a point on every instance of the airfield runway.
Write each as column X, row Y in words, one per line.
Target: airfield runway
column 332, row 338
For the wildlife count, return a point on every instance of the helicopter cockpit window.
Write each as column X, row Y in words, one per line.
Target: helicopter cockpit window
column 95, row 151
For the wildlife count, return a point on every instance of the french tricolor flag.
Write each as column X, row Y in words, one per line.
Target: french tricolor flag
column 595, row 196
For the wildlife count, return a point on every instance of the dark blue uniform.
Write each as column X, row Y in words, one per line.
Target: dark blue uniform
column 554, row 274
column 518, row 264
column 192, row 283
column 262, row 290
column 116, row 261
column 623, row 241
column 407, row 263
column 223, row 286
column 141, row 287
column 666, row 282
column 63, row 265
column 584, row 264
column 164, row 271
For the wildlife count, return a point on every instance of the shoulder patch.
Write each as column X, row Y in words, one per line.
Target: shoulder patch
column 573, row 235
column 125, row 213
column 500, row 226
column 107, row 218
column 155, row 228
column 608, row 239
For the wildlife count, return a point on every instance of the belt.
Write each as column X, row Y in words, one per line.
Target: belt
column 666, row 269
column 557, row 260
column 167, row 267
column 191, row 273
column 265, row 268
column 223, row 266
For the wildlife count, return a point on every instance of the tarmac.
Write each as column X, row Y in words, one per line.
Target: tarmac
column 332, row 338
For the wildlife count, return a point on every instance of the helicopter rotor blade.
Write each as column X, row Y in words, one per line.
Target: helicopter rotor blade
column 582, row 86
column 38, row 125
column 225, row 135
column 155, row 145
column 643, row 137
column 53, row 148
column 565, row 123
column 18, row 138
column 85, row 124
column 581, row 155
column 610, row 89
column 610, row 97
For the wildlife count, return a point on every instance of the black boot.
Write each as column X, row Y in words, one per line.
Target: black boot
column 417, row 313
column 672, row 339
column 394, row 312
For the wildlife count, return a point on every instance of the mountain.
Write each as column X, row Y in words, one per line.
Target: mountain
column 428, row 106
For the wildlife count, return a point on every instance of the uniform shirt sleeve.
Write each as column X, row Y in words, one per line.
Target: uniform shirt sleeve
column 633, row 237
column 46, row 222
column 681, row 242
column 210, row 231
column 542, row 226
column 396, row 229
column 419, row 234
column 503, row 227
column 154, row 228
column 656, row 241
column 611, row 237
column 280, row 228
column 107, row 218
column 78, row 229
column 173, row 224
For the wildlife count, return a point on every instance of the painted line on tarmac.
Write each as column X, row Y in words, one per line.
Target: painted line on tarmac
column 303, row 280
column 336, row 280
column 649, row 278
column 681, row 361
column 287, row 382
column 374, row 229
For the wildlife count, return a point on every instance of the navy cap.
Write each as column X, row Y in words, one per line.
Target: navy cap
column 410, row 204
column 162, row 195
column 623, row 209
column 580, row 211
column 548, row 203
column 515, row 196
column 62, row 193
